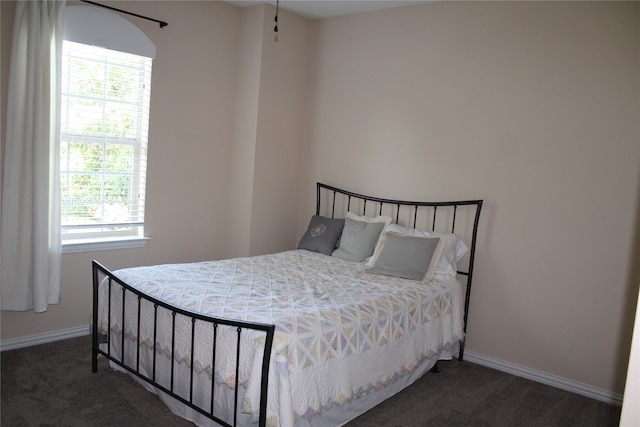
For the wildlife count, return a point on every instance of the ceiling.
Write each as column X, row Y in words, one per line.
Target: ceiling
column 318, row 9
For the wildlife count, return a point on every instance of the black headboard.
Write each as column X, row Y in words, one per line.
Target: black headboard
column 459, row 217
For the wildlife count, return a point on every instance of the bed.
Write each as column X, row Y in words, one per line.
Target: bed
column 376, row 292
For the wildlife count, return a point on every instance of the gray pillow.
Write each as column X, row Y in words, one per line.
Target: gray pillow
column 322, row 234
column 408, row 257
column 358, row 239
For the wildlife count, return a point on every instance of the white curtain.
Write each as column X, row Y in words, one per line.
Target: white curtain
column 31, row 248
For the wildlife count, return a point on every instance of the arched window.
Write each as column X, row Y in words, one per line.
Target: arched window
column 104, row 127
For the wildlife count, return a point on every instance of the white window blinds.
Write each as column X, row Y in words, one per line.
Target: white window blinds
column 104, row 137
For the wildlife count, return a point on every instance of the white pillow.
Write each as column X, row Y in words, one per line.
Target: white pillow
column 385, row 219
column 453, row 249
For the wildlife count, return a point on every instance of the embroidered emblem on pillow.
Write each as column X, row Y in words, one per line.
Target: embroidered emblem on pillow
column 322, row 234
column 318, row 230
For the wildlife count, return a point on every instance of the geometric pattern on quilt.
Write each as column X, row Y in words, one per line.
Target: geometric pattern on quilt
column 325, row 309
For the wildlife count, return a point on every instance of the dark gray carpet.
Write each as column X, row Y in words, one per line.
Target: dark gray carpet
column 52, row 385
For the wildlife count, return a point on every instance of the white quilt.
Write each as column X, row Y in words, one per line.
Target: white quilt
column 341, row 332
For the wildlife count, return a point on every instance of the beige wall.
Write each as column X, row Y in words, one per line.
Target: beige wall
column 532, row 106
column 269, row 119
column 243, row 151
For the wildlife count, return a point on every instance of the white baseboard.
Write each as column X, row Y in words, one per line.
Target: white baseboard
column 29, row 340
column 544, row 378
column 480, row 359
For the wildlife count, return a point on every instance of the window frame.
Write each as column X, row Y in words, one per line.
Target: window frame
column 90, row 25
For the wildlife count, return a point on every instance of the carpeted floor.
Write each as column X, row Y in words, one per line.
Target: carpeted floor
column 52, row 385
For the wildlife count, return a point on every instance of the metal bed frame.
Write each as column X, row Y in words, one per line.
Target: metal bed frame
column 409, row 211
column 338, row 198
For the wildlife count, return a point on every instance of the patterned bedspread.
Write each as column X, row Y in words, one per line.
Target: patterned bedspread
column 341, row 332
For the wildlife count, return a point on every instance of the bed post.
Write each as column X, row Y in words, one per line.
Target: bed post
column 94, row 323
column 318, row 187
column 472, row 253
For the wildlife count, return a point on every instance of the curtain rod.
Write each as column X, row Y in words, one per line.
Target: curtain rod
column 162, row 23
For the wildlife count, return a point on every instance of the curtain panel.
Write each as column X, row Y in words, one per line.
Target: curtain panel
column 31, row 245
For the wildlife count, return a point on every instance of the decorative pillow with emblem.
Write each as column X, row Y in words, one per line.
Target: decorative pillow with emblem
column 322, row 235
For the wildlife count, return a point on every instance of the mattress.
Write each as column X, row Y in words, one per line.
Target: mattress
column 343, row 335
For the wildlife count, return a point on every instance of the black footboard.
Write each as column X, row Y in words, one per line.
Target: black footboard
column 104, row 276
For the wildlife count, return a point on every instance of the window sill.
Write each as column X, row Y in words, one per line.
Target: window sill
column 91, row 245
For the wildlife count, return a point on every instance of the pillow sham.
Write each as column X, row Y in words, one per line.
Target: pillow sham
column 453, row 249
column 322, row 235
column 360, row 236
column 409, row 257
